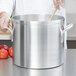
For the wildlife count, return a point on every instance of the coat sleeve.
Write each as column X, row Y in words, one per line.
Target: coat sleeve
column 7, row 6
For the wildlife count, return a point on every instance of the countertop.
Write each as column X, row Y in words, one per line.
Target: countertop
column 7, row 68
column 5, row 35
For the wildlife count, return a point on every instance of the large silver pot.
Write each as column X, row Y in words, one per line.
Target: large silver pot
column 38, row 42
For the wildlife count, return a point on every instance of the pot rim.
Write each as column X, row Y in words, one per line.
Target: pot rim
column 38, row 18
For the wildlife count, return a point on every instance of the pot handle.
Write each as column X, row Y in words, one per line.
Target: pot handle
column 68, row 27
column 11, row 30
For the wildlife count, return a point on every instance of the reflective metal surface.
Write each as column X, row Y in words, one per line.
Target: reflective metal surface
column 8, row 69
column 71, row 63
column 50, row 72
column 38, row 43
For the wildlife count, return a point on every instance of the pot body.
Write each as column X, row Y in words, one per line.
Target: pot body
column 38, row 43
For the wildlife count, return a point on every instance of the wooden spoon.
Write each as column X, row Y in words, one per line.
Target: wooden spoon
column 53, row 14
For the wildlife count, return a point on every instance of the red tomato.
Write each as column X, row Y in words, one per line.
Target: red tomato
column 3, row 54
column 11, row 51
column 4, row 47
column 1, row 46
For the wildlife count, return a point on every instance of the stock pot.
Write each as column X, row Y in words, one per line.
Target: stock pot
column 38, row 42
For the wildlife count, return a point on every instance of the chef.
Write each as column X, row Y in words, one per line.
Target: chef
column 21, row 7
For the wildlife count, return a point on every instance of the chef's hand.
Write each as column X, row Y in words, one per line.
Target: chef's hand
column 58, row 3
column 4, row 21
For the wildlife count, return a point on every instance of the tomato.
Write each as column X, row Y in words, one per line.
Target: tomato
column 11, row 51
column 3, row 54
column 1, row 46
column 4, row 47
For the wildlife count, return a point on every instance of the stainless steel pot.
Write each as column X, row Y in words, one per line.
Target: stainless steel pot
column 39, row 43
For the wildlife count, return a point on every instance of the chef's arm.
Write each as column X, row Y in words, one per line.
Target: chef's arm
column 6, row 9
column 58, row 3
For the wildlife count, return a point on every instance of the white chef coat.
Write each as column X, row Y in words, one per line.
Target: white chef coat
column 21, row 7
